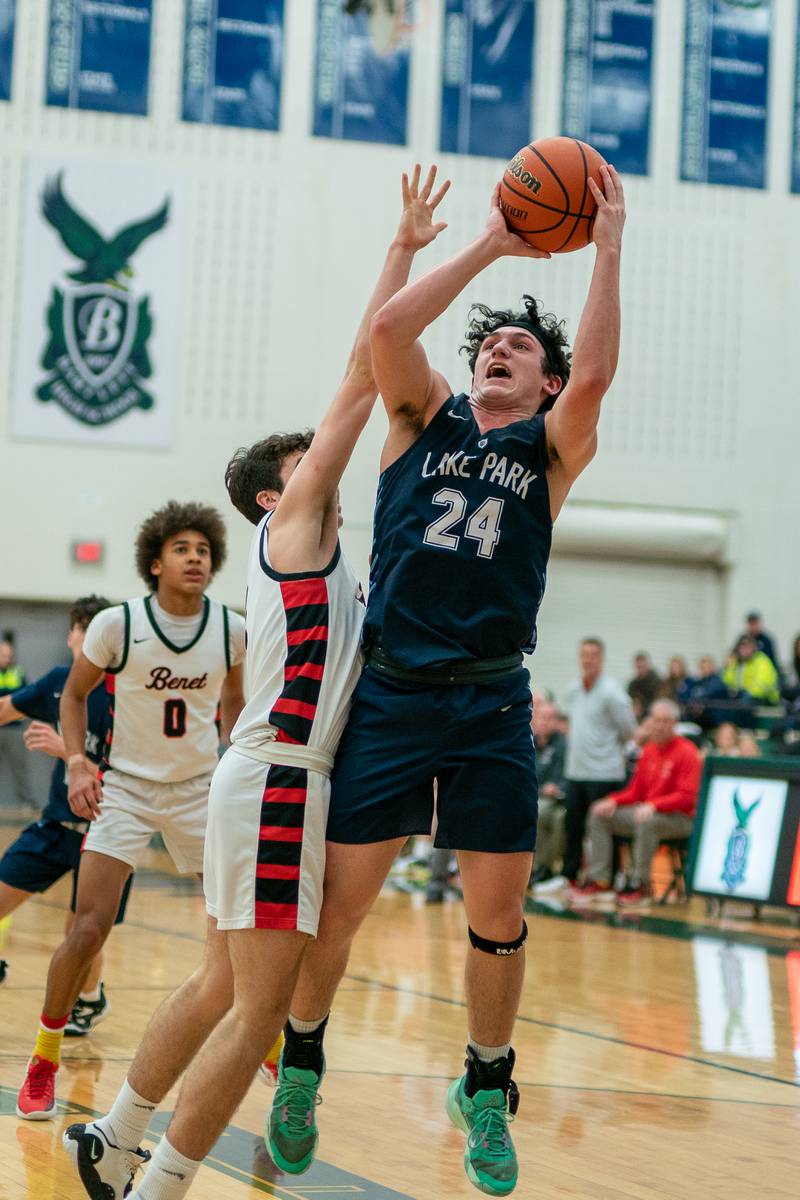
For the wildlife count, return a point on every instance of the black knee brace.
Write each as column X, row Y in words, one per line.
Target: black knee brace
column 501, row 949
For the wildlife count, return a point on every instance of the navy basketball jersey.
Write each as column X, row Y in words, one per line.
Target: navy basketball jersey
column 461, row 542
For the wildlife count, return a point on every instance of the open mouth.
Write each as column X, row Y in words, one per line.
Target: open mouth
column 498, row 371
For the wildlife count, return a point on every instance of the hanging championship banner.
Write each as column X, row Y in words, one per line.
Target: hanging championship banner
column 7, row 8
column 361, row 70
column 487, row 75
column 608, row 79
column 232, row 62
column 98, row 55
column 725, row 88
column 98, row 324
column 795, row 179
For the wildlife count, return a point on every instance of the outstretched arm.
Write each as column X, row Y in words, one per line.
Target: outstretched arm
column 411, row 390
column 572, row 423
column 311, row 491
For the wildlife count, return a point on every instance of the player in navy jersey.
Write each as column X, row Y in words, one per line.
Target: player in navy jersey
column 51, row 847
column 470, row 486
column 265, row 849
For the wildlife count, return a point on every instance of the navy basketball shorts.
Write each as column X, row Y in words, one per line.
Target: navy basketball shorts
column 475, row 740
column 42, row 854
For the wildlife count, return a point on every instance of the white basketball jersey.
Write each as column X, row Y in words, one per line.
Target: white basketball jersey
column 165, row 698
column 302, row 660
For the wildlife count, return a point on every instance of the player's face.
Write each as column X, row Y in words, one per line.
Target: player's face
column 288, row 468
column 509, row 371
column 75, row 639
column 185, row 562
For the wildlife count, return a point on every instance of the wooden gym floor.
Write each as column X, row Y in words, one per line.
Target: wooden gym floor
column 658, row 1056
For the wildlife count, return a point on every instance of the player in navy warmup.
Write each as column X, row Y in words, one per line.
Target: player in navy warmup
column 51, row 846
column 469, row 489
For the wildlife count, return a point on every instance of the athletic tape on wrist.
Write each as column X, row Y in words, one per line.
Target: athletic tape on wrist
column 501, row 949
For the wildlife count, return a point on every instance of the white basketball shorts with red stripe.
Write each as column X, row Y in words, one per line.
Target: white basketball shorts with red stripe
column 265, row 844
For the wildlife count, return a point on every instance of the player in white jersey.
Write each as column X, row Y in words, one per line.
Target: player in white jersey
column 172, row 663
column 265, row 849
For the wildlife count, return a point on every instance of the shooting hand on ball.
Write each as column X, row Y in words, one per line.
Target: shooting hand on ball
column 610, row 219
column 506, row 242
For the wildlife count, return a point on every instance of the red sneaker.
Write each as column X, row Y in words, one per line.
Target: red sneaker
column 268, row 1071
column 37, row 1096
column 591, row 893
column 635, row 898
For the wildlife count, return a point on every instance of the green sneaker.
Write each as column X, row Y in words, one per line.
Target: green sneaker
column 291, row 1132
column 489, row 1158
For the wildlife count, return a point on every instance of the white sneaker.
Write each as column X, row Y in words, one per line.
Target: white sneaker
column 557, row 884
column 105, row 1170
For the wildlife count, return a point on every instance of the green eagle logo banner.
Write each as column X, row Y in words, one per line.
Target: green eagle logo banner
column 99, row 328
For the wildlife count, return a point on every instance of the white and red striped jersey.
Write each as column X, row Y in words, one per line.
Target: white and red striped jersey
column 302, row 660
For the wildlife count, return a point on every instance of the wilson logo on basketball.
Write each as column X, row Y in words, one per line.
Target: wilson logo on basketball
column 518, row 169
column 162, row 677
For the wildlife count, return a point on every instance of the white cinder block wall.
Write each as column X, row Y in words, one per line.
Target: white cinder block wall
column 284, row 235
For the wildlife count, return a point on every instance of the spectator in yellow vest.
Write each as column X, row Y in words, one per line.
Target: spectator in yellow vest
column 12, row 748
column 750, row 670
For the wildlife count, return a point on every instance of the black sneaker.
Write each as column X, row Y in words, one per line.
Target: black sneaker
column 86, row 1014
column 3, row 971
column 106, row 1171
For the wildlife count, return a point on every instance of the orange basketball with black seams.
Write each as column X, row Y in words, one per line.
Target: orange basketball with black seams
column 545, row 196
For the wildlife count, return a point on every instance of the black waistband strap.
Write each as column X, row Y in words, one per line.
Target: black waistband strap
column 479, row 670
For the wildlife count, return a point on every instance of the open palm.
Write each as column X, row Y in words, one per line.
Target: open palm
column 417, row 227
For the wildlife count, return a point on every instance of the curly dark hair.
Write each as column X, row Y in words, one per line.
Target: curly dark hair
column 550, row 331
column 86, row 607
column 256, row 468
column 173, row 518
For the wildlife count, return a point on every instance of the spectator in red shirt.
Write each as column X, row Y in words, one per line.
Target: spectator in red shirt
column 658, row 803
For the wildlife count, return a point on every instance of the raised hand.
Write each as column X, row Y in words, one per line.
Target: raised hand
column 505, row 241
column 417, row 228
column 610, row 219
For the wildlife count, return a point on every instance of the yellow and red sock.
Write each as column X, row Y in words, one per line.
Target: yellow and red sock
column 49, row 1038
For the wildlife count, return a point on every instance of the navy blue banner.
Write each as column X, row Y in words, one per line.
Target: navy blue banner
column 608, row 79
column 7, row 8
column 98, row 55
column 361, row 72
column 232, row 62
column 487, row 76
column 795, row 182
column 725, row 88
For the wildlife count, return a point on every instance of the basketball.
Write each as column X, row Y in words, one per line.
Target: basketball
column 545, row 195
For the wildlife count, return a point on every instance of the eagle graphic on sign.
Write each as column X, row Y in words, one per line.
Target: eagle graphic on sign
column 737, row 852
column 99, row 328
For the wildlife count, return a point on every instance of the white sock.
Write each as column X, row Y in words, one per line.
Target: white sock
column 169, row 1174
column 489, row 1053
column 126, row 1124
column 304, row 1026
column 94, row 996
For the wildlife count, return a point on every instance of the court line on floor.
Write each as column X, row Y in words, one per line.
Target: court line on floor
column 601, row 1037
column 586, row 1033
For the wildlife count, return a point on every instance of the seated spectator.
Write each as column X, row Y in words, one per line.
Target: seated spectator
column 643, row 688
column 748, row 746
column 658, row 803
column 698, row 692
column 751, row 674
column 726, row 740
column 551, row 750
column 671, row 684
column 764, row 641
column 791, row 690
